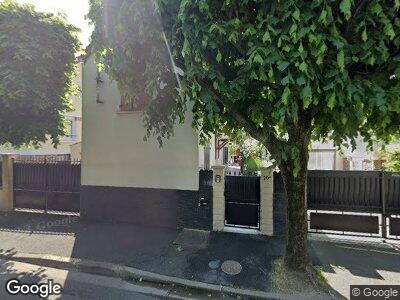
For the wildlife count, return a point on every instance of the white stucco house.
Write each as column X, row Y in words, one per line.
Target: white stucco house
column 125, row 178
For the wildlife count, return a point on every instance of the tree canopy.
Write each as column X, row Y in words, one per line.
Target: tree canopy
column 392, row 160
column 37, row 67
column 285, row 72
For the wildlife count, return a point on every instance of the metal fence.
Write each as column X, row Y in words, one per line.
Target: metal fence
column 352, row 202
column 205, row 178
column 242, row 201
column 358, row 191
column 47, row 185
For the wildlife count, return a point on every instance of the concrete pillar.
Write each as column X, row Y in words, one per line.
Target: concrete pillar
column 267, row 201
column 7, row 191
column 218, row 198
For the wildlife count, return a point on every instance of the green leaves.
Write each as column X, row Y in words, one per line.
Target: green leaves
column 324, row 63
column 296, row 14
column 306, row 95
column 329, row 66
column 258, row 59
column 37, row 68
column 345, row 8
column 388, row 30
column 303, row 67
column 340, row 60
column 285, row 95
column 266, row 37
column 332, row 100
column 283, row 65
column 364, row 35
column 219, row 56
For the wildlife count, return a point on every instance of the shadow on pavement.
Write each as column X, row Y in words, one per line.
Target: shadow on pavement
column 360, row 259
column 8, row 272
column 150, row 249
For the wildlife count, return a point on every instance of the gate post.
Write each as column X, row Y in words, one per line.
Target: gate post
column 267, row 201
column 7, row 191
column 383, row 199
column 218, row 198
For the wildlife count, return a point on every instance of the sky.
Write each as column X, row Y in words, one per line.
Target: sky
column 74, row 9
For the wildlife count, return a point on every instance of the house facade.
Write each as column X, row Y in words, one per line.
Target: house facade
column 125, row 178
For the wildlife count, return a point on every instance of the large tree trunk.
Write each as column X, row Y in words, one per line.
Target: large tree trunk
column 296, row 257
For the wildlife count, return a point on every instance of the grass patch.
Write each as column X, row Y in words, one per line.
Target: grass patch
column 293, row 282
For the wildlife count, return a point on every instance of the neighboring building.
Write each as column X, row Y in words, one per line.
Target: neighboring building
column 76, row 151
column 325, row 156
column 127, row 179
column 74, row 133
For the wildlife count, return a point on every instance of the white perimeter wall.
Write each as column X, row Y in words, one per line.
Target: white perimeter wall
column 113, row 150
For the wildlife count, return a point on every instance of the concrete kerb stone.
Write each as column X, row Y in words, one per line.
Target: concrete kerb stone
column 130, row 272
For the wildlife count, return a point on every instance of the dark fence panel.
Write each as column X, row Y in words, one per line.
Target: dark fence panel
column 350, row 223
column 392, row 188
column 353, row 191
column 357, row 191
column 47, row 176
column 242, row 189
column 360, row 193
column 394, row 227
column 44, row 185
column 205, row 178
column 242, row 201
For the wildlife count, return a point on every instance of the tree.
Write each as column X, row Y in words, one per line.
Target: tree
column 392, row 160
column 37, row 67
column 285, row 72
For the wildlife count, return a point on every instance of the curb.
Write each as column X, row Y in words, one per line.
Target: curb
column 125, row 272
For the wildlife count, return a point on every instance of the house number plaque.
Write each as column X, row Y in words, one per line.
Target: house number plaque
column 217, row 178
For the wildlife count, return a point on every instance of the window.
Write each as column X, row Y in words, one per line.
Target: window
column 137, row 105
column 70, row 132
column 225, row 157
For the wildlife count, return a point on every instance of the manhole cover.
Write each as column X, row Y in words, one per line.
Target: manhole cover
column 231, row 267
column 214, row 264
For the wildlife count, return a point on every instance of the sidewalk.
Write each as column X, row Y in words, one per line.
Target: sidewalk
column 190, row 255
column 157, row 250
column 357, row 262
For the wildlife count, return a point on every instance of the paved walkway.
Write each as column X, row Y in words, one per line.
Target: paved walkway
column 346, row 263
column 188, row 254
column 158, row 250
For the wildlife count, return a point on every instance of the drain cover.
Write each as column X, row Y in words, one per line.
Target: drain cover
column 231, row 267
column 214, row 264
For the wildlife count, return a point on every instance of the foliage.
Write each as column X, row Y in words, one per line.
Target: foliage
column 252, row 153
column 252, row 164
column 37, row 67
column 251, row 148
column 284, row 72
column 138, row 59
column 322, row 65
column 392, row 163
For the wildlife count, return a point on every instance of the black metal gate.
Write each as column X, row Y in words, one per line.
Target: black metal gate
column 354, row 202
column 242, row 201
column 47, row 186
